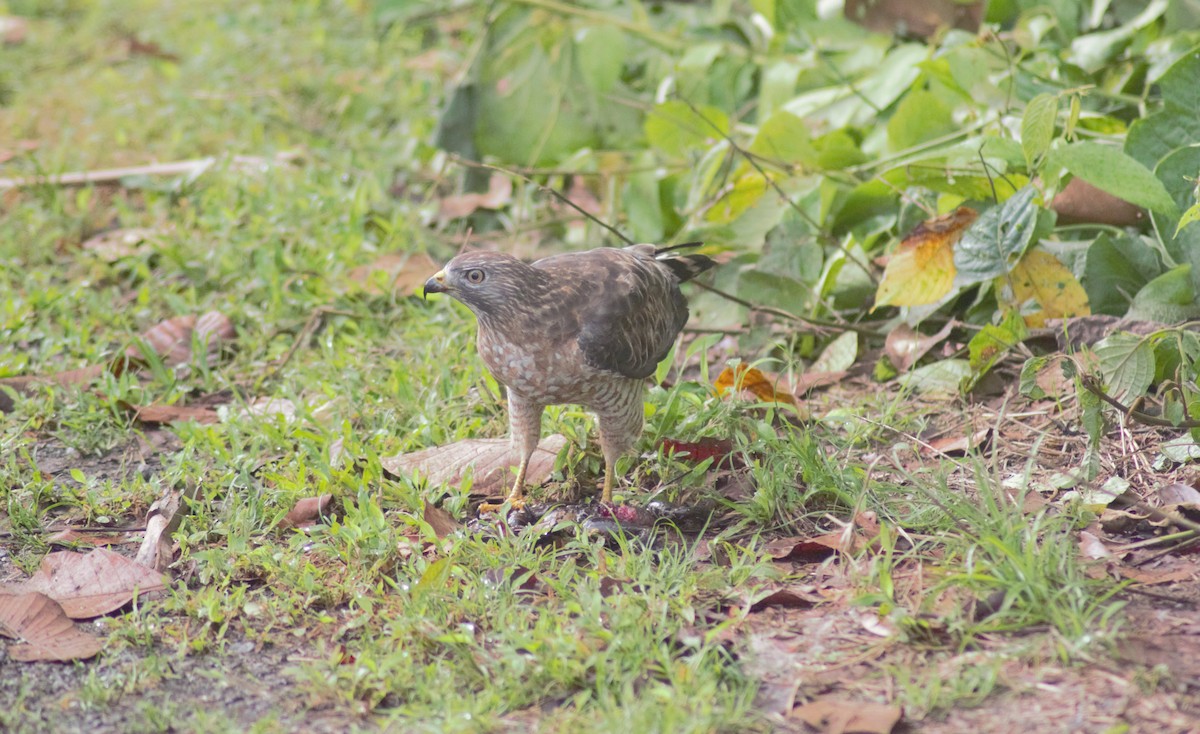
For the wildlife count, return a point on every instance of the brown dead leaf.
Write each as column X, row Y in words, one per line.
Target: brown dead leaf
column 905, row 345
column 1081, row 202
column 488, row 460
column 1150, row 576
column 718, row 449
column 28, row 384
column 71, row 536
column 766, row 388
column 172, row 339
column 159, row 414
column 958, row 445
column 915, row 19
column 837, row 716
column 805, row 550
column 45, row 631
column 499, row 193
column 1179, row 494
column 89, row 584
column 401, row 272
column 269, row 407
column 442, row 522
column 306, row 512
column 790, row 598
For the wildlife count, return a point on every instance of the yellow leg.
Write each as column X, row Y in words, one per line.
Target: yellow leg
column 606, row 495
column 516, row 498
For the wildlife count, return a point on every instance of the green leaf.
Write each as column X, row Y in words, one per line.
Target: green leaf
column 1112, row 170
column 994, row 244
column 1033, row 367
column 1178, row 171
column 1037, row 126
column 675, row 128
column 993, row 342
column 784, row 138
column 943, row 376
column 1191, row 216
column 1117, row 267
column 920, row 116
column 1170, row 298
column 1127, row 363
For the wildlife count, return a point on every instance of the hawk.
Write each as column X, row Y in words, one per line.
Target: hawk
column 585, row 328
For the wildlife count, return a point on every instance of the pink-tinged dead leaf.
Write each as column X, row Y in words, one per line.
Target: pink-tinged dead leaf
column 958, row 445
column 337, row 451
column 1092, row 547
column 307, row 512
column 441, row 522
column 270, row 407
column 877, row 625
column 839, row 716
column 1179, row 494
column 89, row 584
column 810, row 381
column 905, row 345
column 488, row 460
column 116, row 244
column 160, row 414
column 13, row 30
column 498, row 195
column 172, row 339
column 162, row 520
column 1081, row 202
column 45, row 631
column 920, row 19
column 19, row 147
column 400, row 272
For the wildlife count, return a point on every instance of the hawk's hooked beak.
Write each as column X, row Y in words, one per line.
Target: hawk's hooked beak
column 436, row 284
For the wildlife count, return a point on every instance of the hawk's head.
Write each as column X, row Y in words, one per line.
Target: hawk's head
column 488, row 283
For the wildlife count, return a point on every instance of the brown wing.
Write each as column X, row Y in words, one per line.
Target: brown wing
column 624, row 306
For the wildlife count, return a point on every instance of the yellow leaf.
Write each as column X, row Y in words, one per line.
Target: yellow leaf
column 745, row 193
column 1040, row 277
column 764, row 387
column 922, row 270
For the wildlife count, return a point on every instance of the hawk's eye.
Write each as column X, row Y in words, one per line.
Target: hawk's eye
column 475, row 276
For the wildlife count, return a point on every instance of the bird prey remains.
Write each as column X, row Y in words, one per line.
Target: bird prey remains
column 584, row 327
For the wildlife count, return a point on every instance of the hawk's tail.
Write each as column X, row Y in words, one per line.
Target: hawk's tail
column 684, row 267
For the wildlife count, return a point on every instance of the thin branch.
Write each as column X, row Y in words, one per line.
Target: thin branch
column 818, row 323
column 1093, row 386
column 546, row 189
column 114, row 175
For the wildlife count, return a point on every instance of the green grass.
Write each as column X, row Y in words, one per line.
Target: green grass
column 386, row 622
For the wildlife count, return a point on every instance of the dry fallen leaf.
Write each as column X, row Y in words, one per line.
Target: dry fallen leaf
column 91, row 584
column 442, row 522
column 790, row 598
column 958, row 445
column 810, row 550
column 401, row 272
column 45, row 631
column 498, row 194
column 271, row 406
column 159, row 414
column 1092, row 547
column 905, row 345
column 766, row 388
column 488, row 460
column 1081, row 202
column 306, row 512
column 116, row 244
column 835, row 716
column 172, row 339
column 162, row 520
column 920, row 19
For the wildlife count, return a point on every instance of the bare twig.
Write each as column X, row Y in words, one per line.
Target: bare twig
column 114, row 175
column 545, row 189
column 1092, row 385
